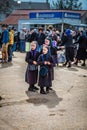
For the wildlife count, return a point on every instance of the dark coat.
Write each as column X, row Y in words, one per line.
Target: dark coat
column 67, row 41
column 53, row 37
column 47, row 80
column 81, row 52
column 1, row 39
column 69, row 47
column 53, row 51
column 82, row 42
column 33, row 37
column 41, row 38
column 31, row 76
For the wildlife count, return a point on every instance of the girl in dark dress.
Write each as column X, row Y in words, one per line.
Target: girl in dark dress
column 45, row 60
column 32, row 68
column 53, row 49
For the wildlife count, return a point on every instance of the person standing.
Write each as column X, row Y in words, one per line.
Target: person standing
column 11, row 42
column 32, row 68
column 81, row 52
column 33, row 35
column 40, row 39
column 46, row 63
column 22, row 40
column 14, row 47
column 67, row 40
column 0, row 40
column 5, row 42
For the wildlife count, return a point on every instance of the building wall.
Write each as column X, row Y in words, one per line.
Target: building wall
column 84, row 18
column 2, row 16
column 37, row 19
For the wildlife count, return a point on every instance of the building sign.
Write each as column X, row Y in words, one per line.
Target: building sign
column 47, row 15
column 72, row 15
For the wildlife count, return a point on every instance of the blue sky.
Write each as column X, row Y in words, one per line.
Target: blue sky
column 84, row 2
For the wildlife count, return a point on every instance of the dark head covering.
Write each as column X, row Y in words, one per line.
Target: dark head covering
column 83, row 33
column 40, row 28
column 34, row 51
column 5, row 25
column 48, row 38
column 68, row 32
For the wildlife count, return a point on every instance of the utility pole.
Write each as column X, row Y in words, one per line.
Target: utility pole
column 47, row 1
column 19, row 3
column 62, row 26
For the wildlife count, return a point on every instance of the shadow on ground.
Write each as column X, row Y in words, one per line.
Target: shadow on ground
column 72, row 69
column 50, row 100
column 6, row 65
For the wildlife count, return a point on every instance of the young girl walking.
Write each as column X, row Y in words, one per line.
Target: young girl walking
column 32, row 68
column 46, row 63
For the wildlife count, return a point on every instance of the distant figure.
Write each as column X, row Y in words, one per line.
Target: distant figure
column 22, row 40
column 67, row 40
column 5, row 42
column 11, row 42
column 81, row 52
column 40, row 39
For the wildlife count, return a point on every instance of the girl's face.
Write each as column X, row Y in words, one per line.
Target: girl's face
column 45, row 50
column 33, row 46
column 47, row 42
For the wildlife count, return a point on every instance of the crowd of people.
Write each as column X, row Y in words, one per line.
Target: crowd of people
column 43, row 51
column 8, row 43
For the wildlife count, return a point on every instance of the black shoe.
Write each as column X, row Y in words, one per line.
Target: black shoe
column 75, row 63
column 42, row 91
column 69, row 65
column 50, row 89
column 47, row 89
column 83, row 64
column 9, row 60
column 34, row 87
column 65, row 64
column 31, row 89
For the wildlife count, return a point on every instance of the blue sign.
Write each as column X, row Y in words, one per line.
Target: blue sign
column 72, row 15
column 47, row 15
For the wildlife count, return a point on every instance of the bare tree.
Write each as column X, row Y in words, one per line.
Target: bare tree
column 67, row 4
column 6, row 6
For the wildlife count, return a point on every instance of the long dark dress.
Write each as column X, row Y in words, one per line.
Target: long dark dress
column 31, row 75
column 81, row 53
column 67, row 40
column 47, row 80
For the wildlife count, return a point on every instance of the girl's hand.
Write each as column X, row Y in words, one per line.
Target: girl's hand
column 34, row 62
column 45, row 62
column 48, row 63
